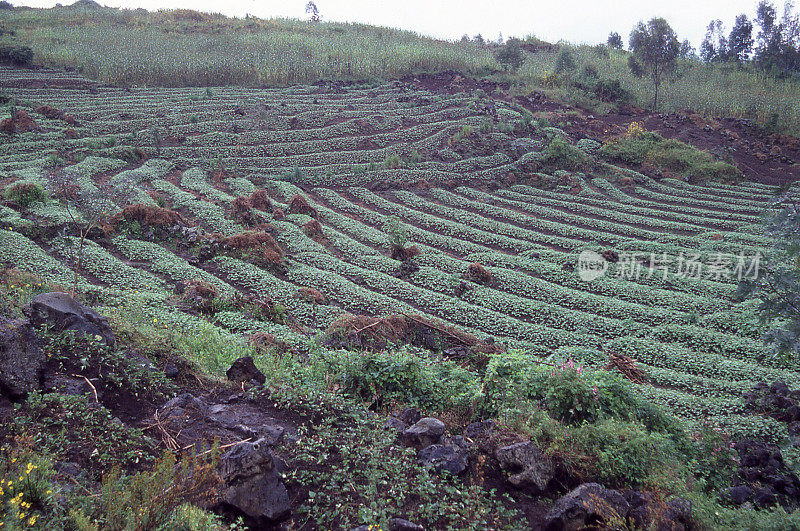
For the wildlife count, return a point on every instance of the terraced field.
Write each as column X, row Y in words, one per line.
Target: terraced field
column 366, row 157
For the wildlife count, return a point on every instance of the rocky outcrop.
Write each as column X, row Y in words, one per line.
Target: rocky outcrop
column 589, row 506
column 252, row 483
column 763, row 478
column 425, row 432
column 450, row 456
column 22, row 360
column 592, row 506
column 244, row 370
column 527, row 466
column 59, row 312
column 196, row 421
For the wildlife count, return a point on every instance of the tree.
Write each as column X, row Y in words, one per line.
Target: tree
column 740, row 41
column 776, row 283
column 778, row 40
column 311, row 7
column 564, row 61
column 614, row 40
column 715, row 45
column 686, row 50
column 89, row 209
column 655, row 51
column 510, row 55
column 765, row 19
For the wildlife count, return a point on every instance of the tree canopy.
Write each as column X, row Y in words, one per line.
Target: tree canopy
column 655, row 50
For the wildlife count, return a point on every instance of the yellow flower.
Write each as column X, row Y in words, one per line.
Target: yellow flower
column 32, row 520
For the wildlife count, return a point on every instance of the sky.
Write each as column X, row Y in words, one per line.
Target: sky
column 578, row 21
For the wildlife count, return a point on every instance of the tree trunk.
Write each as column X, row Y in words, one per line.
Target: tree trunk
column 656, row 83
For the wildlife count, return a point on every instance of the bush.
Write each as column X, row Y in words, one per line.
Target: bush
column 24, row 194
column 17, row 55
column 150, row 500
column 561, row 154
column 565, row 62
column 611, row 91
column 632, row 149
column 407, row 377
column 510, row 55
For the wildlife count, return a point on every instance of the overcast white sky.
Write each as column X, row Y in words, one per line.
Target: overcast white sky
column 573, row 20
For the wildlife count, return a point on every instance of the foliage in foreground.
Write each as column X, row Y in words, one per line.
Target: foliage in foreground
column 355, row 473
column 778, row 284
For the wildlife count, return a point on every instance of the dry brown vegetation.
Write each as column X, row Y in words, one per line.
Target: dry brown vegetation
column 376, row 333
column 299, row 205
column 404, row 253
column 147, row 215
column 314, row 230
column 260, row 201
column 311, row 295
column 257, row 244
column 479, row 274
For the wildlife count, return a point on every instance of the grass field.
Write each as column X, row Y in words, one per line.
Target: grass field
column 698, row 347
column 187, row 48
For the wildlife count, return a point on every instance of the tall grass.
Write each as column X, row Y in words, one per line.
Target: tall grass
column 181, row 48
column 719, row 90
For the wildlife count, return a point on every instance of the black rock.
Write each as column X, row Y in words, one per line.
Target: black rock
column 527, row 466
column 22, row 359
column 425, row 432
column 450, row 458
column 588, row 506
column 395, row 424
column 171, row 371
column 738, row 495
column 409, row 415
column 60, row 312
column 244, row 370
column 253, row 485
column 478, row 430
column 764, row 497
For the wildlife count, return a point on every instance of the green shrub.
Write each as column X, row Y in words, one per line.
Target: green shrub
column 712, row 457
column 628, row 455
column 153, row 499
column 561, row 154
column 405, row 376
column 632, row 149
column 24, row 194
column 510, row 55
column 565, row 62
column 611, row 91
column 17, row 55
column 367, row 479
column 392, row 162
column 684, row 159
